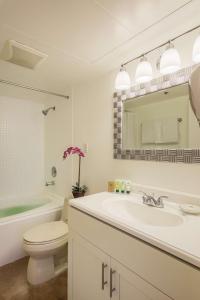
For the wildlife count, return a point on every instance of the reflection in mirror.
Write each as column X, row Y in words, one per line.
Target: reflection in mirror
column 160, row 120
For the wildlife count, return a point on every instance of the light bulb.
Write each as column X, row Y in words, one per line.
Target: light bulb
column 122, row 81
column 170, row 61
column 144, row 71
column 196, row 50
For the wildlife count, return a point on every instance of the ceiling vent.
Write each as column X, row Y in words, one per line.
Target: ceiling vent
column 22, row 55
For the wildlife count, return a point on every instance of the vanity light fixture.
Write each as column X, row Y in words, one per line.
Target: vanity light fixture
column 196, row 50
column 144, row 72
column 122, row 81
column 170, row 61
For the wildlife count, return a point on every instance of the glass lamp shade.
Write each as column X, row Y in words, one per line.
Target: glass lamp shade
column 196, row 50
column 144, row 72
column 170, row 61
column 122, row 81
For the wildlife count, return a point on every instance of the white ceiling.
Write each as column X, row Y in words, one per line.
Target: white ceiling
column 85, row 38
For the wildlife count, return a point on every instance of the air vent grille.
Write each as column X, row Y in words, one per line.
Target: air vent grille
column 22, row 55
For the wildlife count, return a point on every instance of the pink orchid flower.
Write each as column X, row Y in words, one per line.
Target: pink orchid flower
column 73, row 150
column 77, row 190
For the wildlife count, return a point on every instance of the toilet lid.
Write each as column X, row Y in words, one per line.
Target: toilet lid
column 46, row 232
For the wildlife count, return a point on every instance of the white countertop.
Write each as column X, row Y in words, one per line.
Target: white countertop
column 182, row 240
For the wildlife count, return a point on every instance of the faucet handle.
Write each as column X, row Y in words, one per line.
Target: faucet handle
column 146, row 198
column 160, row 201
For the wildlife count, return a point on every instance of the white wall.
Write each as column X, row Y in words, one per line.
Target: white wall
column 94, row 125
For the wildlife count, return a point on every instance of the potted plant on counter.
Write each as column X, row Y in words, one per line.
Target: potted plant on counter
column 77, row 189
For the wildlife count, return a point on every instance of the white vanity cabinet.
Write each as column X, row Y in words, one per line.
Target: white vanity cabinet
column 107, row 263
column 98, row 276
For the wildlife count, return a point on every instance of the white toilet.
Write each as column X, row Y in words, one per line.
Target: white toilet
column 42, row 243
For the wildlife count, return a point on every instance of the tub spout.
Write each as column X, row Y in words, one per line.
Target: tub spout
column 50, row 183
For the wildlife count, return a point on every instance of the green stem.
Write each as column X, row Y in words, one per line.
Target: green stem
column 79, row 171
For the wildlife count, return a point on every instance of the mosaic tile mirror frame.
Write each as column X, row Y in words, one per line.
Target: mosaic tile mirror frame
column 167, row 155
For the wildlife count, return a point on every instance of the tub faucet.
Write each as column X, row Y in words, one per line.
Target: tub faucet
column 50, row 183
column 151, row 201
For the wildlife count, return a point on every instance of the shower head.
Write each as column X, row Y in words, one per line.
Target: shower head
column 45, row 111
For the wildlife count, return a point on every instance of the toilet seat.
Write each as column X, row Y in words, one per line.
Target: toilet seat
column 46, row 233
column 45, row 249
column 51, row 243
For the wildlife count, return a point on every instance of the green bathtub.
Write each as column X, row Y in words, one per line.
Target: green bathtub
column 14, row 210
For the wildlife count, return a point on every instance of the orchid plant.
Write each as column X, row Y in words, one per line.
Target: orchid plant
column 77, row 189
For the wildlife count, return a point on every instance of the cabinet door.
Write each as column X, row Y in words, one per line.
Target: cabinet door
column 90, row 271
column 127, row 285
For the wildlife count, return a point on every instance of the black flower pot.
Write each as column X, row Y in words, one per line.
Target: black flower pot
column 78, row 194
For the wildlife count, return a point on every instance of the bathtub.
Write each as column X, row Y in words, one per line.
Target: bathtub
column 20, row 216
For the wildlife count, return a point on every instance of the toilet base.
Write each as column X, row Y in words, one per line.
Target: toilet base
column 41, row 270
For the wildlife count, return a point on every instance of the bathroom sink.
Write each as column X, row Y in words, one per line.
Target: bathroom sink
column 147, row 215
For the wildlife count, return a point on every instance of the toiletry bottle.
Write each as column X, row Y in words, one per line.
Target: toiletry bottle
column 123, row 186
column 111, row 186
column 117, row 186
column 128, row 187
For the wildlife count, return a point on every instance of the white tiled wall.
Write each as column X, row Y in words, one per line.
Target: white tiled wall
column 21, row 147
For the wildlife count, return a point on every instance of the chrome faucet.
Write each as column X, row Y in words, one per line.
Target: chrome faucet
column 151, row 201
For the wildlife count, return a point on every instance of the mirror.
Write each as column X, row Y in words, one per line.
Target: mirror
column 155, row 121
column 160, row 120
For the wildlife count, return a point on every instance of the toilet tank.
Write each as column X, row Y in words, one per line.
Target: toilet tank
column 64, row 214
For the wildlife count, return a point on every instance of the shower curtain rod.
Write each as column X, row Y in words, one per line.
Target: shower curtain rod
column 33, row 89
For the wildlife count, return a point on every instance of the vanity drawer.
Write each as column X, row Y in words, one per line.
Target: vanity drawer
column 177, row 279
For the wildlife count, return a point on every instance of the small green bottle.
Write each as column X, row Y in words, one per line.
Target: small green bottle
column 117, row 186
column 123, row 186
